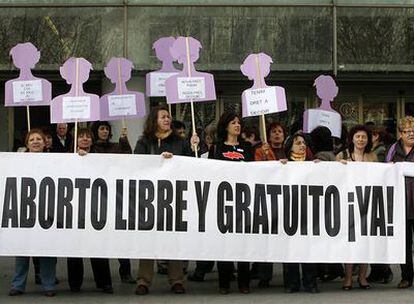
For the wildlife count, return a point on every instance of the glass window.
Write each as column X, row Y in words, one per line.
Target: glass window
column 296, row 38
column 59, row 33
column 375, row 39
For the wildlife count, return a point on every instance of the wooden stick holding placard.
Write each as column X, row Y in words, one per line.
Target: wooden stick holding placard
column 28, row 118
column 75, row 139
column 262, row 117
column 187, row 44
column 169, row 109
column 120, row 88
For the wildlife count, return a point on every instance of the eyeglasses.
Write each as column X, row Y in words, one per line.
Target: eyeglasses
column 408, row 131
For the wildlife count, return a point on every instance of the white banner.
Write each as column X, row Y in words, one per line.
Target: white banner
column 143, row 206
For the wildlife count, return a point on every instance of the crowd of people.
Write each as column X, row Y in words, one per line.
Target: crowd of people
column 364, row 143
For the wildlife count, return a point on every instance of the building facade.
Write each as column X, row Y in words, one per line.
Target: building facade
column 367, row 45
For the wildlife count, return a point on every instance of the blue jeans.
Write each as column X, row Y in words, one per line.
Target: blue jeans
column 47, row 273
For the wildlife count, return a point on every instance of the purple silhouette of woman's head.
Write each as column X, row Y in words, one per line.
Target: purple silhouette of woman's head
column 256, row 66
column 25, row 55
column 75, row 68
column 162, row 48
column 119, row 69
column 179, row 49
column 326, row 88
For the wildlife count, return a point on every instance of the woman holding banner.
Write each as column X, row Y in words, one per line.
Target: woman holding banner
column 322, row 149
column 102, row 132
column 297, row 150
column 229, row 146
column 35, row 143
column 159, row 139
column 100, row 267
column 403, row 151
column 274, row 150
column 359, row 149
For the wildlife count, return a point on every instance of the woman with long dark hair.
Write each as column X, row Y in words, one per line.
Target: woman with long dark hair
column 100, row 266
column 359, row 149
column 102, row 133
column 231, row 147
column 159, row 139
column 296, row 149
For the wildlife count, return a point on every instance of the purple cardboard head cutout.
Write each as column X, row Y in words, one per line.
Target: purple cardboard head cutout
column 76, row 105
column 327, row 90
column 261, row 99
column 27, row 90
column 162, row 51
column 256, row 67
column 155, row 81
column 121, row 103
column 189, row 84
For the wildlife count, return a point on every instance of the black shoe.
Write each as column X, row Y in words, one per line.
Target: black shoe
column 361, row 286
column 263, row 284
column 75, row 289
column 374, row 279
column 224, row 291
column 291, row 289
column 388, row 276
column 50, row 293
column 162, row 271
column 15, row 292
column 128, row 279
column 196, row 277
column 313, row 289
column 108, row 289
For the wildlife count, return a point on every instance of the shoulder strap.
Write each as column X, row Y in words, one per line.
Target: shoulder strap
column 391, row 152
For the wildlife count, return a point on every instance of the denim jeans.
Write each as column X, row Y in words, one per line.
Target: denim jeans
column 47, row 273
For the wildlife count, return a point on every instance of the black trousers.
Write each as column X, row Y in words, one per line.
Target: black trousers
column 36, row 264
column 225, row 271
column 203, row 267
column 124, row 268
column 291, row 275
column 100, row 269
column 262, row 271
column 407, row 272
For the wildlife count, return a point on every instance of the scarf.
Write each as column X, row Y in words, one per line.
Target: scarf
column 298, row 156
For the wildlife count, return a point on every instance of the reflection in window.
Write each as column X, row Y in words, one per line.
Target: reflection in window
column 60, row 33
column 291, row 36
column 375, row 39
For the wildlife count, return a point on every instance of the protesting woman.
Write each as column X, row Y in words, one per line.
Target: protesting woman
column 35, row 143
column 229, row 146
column 102, row 132
column 323, row 150
column 403, row 151
column 297, row 149
column 273, row 150
column 100, row 267
column 359, row 149
column 158, row 138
